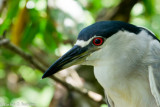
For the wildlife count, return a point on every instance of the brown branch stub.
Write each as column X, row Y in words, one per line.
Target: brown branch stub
column 121, row 12
column 13, row 48
column 4, row 34
column 3, row 42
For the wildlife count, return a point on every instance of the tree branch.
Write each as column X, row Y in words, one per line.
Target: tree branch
column 8, row 45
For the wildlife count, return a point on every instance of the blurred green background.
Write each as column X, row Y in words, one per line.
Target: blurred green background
column 46, row 29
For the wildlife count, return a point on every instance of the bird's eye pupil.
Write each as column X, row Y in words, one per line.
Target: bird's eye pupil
column 98, row 41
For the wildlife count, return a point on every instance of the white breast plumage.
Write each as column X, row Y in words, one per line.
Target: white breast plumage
column 123, row 77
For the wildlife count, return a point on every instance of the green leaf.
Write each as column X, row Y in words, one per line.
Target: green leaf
column 11, row 13
column 29, row 34
column 48, row 36
column 149, row 6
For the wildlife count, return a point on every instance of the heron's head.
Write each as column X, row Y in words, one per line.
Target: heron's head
column 91, row 40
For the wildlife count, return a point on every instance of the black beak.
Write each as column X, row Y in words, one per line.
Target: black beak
column 72, row 57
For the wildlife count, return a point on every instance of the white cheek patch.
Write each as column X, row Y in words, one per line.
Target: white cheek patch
column 83, row 43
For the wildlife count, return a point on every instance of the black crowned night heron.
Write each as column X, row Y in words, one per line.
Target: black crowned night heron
column 126, row 61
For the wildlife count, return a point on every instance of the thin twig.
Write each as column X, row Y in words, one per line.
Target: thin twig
column 8, row 45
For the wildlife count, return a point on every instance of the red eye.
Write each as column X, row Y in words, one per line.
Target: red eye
column 98, row 41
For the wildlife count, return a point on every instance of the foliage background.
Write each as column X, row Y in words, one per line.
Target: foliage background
column 46, row 29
